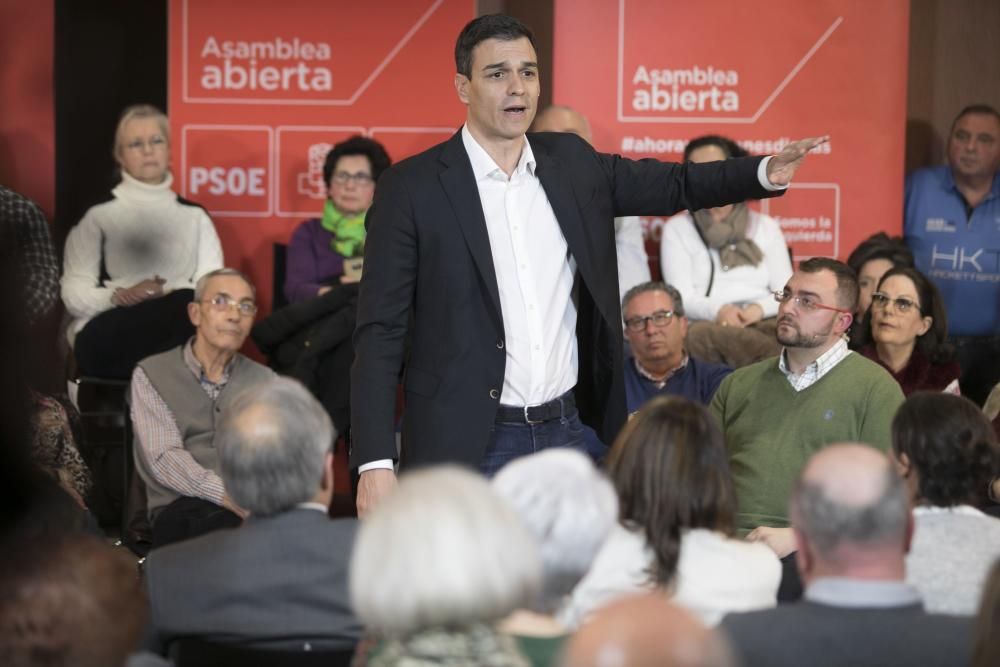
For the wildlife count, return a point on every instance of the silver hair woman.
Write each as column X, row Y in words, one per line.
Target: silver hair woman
column 130, row 264
column 570, row 508
column 436, row 566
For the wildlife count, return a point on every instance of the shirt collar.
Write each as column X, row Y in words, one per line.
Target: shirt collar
column 838, row 349
column 672, row 372
column 199, row 371
column 949, row 182
column 319, row 507
column 484, row 166
column 861, row 593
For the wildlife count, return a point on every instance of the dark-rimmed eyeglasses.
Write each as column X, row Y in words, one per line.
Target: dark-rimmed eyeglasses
column 660, row 318
column 902, row 304
column 345, row 177
column 805, row 302
column 222, row 303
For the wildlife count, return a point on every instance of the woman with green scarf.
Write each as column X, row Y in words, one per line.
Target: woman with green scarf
column 726, row 262
column 320, row 247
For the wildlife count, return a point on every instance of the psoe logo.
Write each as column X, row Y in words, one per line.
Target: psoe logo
column 310, row 182
column 940, row 225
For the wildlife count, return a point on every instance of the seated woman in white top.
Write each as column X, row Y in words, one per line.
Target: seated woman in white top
column 131, row 263
column 676, row 519
column 726, row 262
column 947, row 452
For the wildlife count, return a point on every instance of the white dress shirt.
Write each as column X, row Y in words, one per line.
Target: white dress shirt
column 534, row 276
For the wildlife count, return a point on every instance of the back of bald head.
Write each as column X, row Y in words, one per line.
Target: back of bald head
column 849, row 495
column 559, row 118
column 645, row 631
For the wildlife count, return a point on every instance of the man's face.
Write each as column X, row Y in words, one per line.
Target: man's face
column 559, row 119
column 974, row 145
column 654, row 344
column 799, row 326
column 222, row 329
column 502, row 91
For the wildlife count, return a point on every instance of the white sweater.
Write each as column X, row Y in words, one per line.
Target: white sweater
column 715, row 575
column 950, row 557
column 143, row 232
column 686, row 264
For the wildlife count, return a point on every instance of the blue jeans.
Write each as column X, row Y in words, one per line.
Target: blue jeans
column 509, row 441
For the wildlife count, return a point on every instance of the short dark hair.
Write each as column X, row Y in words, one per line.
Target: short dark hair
column 985, row 109
column 357, row 145
column 847, row 280
column 933, row 343
column 880, row 246
column 670, row 469
column 950, row 444
column 728, row 147
column 490, row 26
column 655, row 286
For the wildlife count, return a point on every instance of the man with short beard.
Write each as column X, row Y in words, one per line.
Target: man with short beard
column 778, row 412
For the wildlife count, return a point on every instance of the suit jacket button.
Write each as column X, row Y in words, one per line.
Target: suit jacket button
column 494, row 394
column 499, row 344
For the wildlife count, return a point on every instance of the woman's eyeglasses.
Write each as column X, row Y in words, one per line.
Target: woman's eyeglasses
column 881, row 301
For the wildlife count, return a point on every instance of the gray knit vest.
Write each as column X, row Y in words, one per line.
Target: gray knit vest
column 194, row 412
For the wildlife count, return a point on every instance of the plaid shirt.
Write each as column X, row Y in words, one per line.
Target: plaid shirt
column 22, row 222
column 161, row 441
column 817, row 369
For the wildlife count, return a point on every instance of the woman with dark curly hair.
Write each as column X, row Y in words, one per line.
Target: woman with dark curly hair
column 905, row 330
column 677, row 514
column 947, row 452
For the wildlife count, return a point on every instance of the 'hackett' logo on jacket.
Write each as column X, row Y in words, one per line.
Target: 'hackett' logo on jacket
column 940, row 225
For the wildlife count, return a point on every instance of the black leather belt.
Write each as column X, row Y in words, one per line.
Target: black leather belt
column 536, row 414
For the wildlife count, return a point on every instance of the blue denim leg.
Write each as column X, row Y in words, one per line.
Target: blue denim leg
column 510, row 441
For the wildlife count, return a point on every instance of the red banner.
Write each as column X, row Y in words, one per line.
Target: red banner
column 259, row 92
column 651, row 75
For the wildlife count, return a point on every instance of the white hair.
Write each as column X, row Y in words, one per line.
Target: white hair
column 272, row 445
column 569, row 506
column 441, row 550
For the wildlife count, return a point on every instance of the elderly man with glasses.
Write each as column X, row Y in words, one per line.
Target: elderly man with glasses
column 177, row 398
column 778, row 412
column 656, row 330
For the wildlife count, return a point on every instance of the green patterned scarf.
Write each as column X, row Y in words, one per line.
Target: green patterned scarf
column 348, row 230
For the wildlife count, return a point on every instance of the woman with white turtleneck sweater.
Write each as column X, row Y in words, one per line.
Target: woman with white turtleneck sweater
column 130, row 265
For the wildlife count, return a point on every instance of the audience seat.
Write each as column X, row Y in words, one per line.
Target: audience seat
column 197, row 652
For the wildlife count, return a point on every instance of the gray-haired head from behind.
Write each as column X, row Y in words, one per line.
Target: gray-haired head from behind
column 272, row 445
column 569, row 506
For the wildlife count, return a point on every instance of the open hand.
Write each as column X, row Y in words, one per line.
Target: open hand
column 782, row 166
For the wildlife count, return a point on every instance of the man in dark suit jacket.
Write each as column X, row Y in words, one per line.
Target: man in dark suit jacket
column 496, row 254
column 280, row 580
column 852, row 523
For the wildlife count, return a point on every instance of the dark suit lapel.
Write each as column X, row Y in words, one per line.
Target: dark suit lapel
column 555, row 178
column 459, row 185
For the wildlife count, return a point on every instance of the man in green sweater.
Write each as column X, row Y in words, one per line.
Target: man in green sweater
column 778, row 412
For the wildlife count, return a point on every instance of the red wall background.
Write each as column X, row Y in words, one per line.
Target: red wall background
column 258, row 120
column 762, row 72
column 27, row 121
